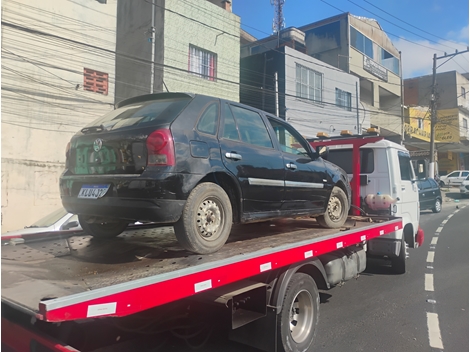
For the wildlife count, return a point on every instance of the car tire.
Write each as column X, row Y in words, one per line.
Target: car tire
column 103, row 230
column 336, row 210
column 206, row 221
column 298, row 319
column 437, row 206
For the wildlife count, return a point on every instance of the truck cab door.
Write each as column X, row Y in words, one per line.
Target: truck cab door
column 407, row 191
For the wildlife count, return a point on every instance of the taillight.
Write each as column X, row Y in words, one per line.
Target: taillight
column 160, row 148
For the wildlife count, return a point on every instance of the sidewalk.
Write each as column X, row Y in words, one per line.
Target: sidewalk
column 452, row 195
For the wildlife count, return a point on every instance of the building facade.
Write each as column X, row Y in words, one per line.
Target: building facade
column 57, row 76
column 359, row 46
column 451, row 129
column 309, row 94
column 196, row 48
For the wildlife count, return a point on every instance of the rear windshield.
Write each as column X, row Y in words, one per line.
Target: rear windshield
column 143, row 113
column 343, row 158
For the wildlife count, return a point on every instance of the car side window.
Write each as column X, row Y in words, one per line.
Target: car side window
column 287, row 139
column 251, row 127
column 454, row 174
column 209, row 120
column 406, row 170
column 464, row 173
column 433, row 183
column 230, row 127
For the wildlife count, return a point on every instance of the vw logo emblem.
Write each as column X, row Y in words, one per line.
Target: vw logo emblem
column 97, row 144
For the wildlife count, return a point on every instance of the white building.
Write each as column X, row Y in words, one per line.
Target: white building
column 58, row 67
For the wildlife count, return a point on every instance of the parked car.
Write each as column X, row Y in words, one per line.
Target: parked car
column 455, row 178
column 200, row 163
column 464, row 188
column 58, row 220
column 430, row 196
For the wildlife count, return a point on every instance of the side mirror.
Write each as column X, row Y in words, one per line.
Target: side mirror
column 323, row 151
column 70, row 225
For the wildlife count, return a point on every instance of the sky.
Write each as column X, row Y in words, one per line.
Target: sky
column 417, row 28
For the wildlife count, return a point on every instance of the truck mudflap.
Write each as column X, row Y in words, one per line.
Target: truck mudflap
column 419, row 238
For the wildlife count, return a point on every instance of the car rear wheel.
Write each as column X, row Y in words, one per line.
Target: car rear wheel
column 437, row 206
column 102, row 230
column 336, row 211
column 299, row 314
column 206, row 221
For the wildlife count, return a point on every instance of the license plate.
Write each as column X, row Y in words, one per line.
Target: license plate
column 93, row 191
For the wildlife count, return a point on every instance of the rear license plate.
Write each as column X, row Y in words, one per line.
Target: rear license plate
column 93, row 191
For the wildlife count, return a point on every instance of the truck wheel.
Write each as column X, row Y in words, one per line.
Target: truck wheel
column 299, row 314
column 437, row 206
column 206, row 221
column 103, row 230
column 399, row 263
column 336, row 211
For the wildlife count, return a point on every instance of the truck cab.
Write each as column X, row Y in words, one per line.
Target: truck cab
column 387, row 187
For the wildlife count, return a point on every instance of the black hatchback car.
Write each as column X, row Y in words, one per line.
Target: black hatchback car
column 430, row 196
column 200, row 163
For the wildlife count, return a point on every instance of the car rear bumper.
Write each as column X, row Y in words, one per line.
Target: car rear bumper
column 155, row 210
column 131, row 197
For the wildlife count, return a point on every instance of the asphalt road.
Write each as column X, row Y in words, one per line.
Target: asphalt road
column 426, row 309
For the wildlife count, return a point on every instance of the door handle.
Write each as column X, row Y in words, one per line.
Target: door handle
column 233, row 156
column 291, row 166
column 403, row 188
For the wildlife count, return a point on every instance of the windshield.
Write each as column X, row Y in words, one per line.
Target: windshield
column 50, row 219
column 141, row 114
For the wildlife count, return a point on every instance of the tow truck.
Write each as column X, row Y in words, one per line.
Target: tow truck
column 76, row 293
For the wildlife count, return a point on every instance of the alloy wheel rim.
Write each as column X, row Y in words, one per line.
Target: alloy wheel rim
column 301, row 316
column 438, row 205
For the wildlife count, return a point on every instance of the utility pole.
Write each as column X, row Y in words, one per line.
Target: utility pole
column 357, row 111
column 152, row 56
column 277, row 93
column 434, row 97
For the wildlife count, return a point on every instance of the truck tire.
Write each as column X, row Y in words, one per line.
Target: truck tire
column 399, row 263
column 298, row 319
column 103, row 230
column 336, row 210
column 206, row 221
column 437, row 206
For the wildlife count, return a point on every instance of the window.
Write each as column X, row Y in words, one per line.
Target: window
column 420, row 123
column 464, row 173
column 95, row 81
column 343, row 158
column 209, row 120
column 465, row 123
column 389, row 61
column 202, row 63
column 343, row 99
column 361, row 42
column 287, row 138
column 230, row 127
column 251, row 127
column 424, row 184
column 454, row 174
column 308, row 83
column 463, row 93
column 406, row 169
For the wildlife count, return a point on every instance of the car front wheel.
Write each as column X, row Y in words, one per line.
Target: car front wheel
column 206, row 221
column 437, row 206
column 336, row 210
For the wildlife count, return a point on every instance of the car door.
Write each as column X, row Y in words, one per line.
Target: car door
column 305, row 177
column 452, row 178
column 463, row 175
column 248, row 153
column 425, row 196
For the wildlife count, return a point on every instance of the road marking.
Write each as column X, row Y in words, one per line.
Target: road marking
column 434, row 240
column 430, row 258
column 444, row 221
column 434, row 333
column 428, row 282
column 439, row 229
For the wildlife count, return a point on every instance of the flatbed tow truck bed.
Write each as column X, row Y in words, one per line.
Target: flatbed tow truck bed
column 58, row 278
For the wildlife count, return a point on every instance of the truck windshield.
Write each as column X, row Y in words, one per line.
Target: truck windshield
column 343, row 158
